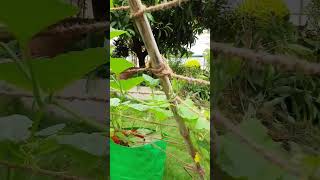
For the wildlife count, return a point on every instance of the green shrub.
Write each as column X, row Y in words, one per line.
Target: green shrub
column 264, row 10
column 192, row 63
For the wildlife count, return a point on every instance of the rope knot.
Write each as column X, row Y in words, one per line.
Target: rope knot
column 162, row 70
column 138, row 13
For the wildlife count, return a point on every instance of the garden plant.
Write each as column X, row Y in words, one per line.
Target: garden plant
column 35, row 144
column 146, row 127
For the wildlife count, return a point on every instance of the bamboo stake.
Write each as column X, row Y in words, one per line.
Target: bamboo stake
column 156, row 62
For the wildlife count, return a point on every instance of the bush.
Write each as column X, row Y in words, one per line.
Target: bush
column 264, row 10
column 313, row 14
column 192, row 63
column 190, row 69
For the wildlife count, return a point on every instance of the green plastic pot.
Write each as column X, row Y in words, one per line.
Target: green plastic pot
column 144, row 162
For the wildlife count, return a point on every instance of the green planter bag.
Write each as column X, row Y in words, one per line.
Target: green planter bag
column 137, row 163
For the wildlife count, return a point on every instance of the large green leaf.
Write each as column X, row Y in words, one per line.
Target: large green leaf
column 26, row 18
column 118, row 65
column 187, row 110
column 203, row 123
column 14, row 128
column 232, row 154
column 115, row 33
column 161, row 114
column 150, row 80
column 127, row 84
column 54, row 74
column 51, row 130
column 139, row 107
column 94, row 144
column 111, row 3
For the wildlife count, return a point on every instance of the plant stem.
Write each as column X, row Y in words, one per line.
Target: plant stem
column 9, row 173
column 35, row 84
column 36, row 121
column 20, row 64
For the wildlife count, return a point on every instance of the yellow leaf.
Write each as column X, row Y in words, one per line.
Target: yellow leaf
column 197, row 158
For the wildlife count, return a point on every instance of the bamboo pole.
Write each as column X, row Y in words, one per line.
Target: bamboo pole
column 156, row 60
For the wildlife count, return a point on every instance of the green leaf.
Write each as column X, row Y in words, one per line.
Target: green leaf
column 111, row 3
column 139, row 107
column 50, row 130
column 203, row 123
column 33, row 16
column 54, row 74
column 94, row 144
column 127, row 84
column 185, row 110
column 161, row 114
column 150, row 81
column 114, row 102
column 15, row 128
column 115, row 33
column 232, row 153
column 118, row 65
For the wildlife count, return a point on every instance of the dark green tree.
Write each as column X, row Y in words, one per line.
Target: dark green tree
column 174, row 29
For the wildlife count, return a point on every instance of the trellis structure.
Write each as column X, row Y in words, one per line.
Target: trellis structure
column 159, row 65
column 282, row 62
column 157, row 62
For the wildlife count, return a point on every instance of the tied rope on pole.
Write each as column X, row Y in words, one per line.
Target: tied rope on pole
column 159, row 7
column 163, row 70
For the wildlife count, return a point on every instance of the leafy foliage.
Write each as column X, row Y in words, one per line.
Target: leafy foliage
column 21, row 140
column 154, row 110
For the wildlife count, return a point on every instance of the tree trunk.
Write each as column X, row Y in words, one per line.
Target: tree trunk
column 141, row 54
column 141, row 57
column 100, row 10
